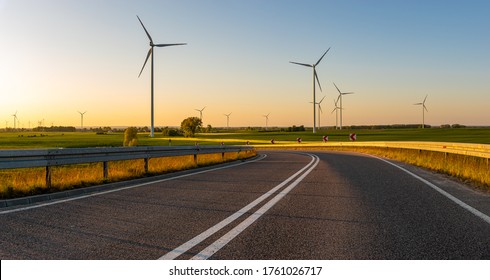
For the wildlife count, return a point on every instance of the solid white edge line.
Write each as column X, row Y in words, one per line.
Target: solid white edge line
column 472, row 210
column 212, row 230
column 126, row 188
column 225, row 239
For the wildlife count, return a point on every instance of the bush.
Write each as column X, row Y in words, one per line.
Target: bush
column 166, row 131
column 190, row 126
column 131, row 137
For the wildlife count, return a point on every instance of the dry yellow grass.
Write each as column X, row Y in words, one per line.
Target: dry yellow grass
column 31, row 181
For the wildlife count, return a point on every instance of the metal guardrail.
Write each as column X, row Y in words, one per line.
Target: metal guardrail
column 10, row 159
column 477, row 150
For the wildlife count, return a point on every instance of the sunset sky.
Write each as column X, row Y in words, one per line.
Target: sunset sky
column 58, row 57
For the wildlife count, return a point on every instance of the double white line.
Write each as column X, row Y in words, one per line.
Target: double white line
column 221, row 242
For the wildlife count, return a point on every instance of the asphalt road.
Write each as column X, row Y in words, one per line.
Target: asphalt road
column 286, row 205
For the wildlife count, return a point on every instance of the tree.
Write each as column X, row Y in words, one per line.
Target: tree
column 130, row 136
column 190, row 125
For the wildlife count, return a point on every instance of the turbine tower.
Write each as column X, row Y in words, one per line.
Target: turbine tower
column 81, row 117
column 266, row 120
column 315, row 77
column 340, row 97
column 200, row 112
column 423, row 110
column 227, row 120
column 150, row 53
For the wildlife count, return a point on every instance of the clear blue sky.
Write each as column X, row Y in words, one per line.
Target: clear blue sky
column 58, row 57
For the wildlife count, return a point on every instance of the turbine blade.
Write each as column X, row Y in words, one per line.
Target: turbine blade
column 317, row 80
column 418, row 104
column 337, row 89
column 149, row 37
column 307, row 65
column 169, row 45
column 344, row 93
column 320, row 107
column 321, row 57
column 322, row 99
column 425, row 98
column 146, row 60
column 425, row 108
column 334, row 110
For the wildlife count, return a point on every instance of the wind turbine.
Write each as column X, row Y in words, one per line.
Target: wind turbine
column 266, row 120
column 423, row 112
column 335, row 102
column 315, row 77
column 200, row 112
column 340, row 97
column 81, row 116
column 227, row 120
column 15, row 119
column 320, row 111
column 150, row 53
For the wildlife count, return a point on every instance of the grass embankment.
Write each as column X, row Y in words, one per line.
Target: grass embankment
column 31, row 181
column 467, row 168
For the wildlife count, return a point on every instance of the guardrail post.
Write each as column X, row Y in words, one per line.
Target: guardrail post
column 48, row 176
column 146, row 164
column 195, row 158
column 106, row 170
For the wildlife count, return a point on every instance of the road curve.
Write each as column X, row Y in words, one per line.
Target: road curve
column 289, row 205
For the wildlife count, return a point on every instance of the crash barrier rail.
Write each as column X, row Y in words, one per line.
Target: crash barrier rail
column 10, row 159
column 477, row 150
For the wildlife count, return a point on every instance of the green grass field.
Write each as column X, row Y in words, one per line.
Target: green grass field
column 26, row 140
column 21, row 182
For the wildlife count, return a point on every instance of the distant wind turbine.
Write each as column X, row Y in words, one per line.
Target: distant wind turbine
column 423, row 110
column 227, row 120
column 200, row 112
column 336, row 110
column 81, row 116
column 340, row 97
column 266, row 120
column 315, row 77
column 320, row 111
column 150, row 53
column 15, row 119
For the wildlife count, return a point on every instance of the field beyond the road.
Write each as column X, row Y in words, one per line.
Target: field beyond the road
column 32, row 140
column 22, row 182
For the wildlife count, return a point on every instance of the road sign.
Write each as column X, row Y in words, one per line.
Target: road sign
column 325, row 138
column 353, row 137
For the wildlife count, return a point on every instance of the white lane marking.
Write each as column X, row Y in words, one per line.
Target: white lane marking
column 125, row 188
column 212, row 230
column 225, row 239
column 441, row 191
